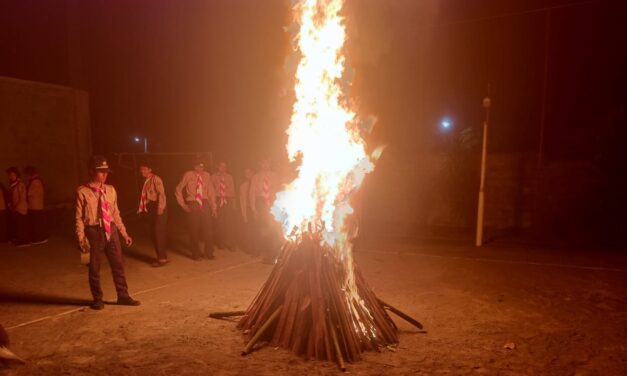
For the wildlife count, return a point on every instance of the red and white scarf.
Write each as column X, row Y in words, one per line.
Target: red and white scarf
column 143, row 199
column 105, row 214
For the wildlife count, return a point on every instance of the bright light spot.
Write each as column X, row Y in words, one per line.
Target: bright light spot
column 446, row 124
column 137, row 139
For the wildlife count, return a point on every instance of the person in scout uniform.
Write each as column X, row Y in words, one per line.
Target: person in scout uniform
column 247, row 229
column 152, row 207
column 18, row 209
column 263, row 188
column 195, row 194
column 224, row 186
column 98, row 229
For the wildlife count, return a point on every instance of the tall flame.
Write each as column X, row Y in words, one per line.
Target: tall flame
column 324, row 133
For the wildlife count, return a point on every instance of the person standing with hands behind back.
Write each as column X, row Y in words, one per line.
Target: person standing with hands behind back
column 195, row 194
column 98, row 229
column 152, row 206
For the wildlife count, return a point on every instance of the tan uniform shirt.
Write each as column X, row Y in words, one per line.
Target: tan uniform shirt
column 229, row 191
column 186, row 189
column 18, row 198
column 87, row 210
column 155, row 191
column 35, row 195
column 244, row 198
column 257, row 183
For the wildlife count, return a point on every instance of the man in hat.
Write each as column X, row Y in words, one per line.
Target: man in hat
column 152, row 207
column 98, row 228
column 195, row 194
column 35, row 199
column 18, row 209
column 224, row 187
column 263, row 188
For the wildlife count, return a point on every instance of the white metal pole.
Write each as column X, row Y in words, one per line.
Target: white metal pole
column 145, row 144
column 484, row 155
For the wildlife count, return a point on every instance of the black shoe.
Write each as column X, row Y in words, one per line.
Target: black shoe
column 127, row 300
column 97, row 305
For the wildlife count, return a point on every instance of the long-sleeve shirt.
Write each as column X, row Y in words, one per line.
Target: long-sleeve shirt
column 35, row 194
column 186, row 189
column 258, row 190
column 18, row 203
column 88, row 212
column 229, row 184
column 155, row 191
column 244, row 202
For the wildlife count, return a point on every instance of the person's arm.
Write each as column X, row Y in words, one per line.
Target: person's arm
column 252, row 195
column 242, row 200
column 179, row 193
column 117, row 219
column 160, row 195
column 79, row 225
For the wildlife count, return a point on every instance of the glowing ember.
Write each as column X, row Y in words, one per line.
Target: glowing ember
column 323, row 134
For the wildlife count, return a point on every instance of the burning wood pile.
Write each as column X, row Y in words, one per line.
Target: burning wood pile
column 316, row 302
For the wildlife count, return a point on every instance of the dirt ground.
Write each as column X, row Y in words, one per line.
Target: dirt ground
column 562, row 312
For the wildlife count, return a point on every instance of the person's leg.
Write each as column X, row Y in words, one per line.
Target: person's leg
column 151, row 222
column 207, row 227
column 218, row 227
column 161, row 223
column 113, row 250
column 194, row 224
column 95, row 237
column 21, row 229
column 229, row 229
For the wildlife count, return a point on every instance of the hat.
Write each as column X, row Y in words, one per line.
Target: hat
column 99, row 163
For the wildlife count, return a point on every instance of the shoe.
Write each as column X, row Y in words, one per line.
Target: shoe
column 40, row 242
column 127, row 300
column 159, row 263
column 97, row 305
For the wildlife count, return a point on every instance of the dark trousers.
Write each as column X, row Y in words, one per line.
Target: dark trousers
column 246, row 236
column 225, row 237
column 157, row 225
column 37, row 225
column 99, row 245
column 4, row 225
column 18, row 228
column 265, row 229
column 199, row 222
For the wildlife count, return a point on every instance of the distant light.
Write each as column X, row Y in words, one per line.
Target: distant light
column 137, row 139
column 446, row 124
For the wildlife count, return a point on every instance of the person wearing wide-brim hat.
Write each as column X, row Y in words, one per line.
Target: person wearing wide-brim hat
column 98, row 229
column 196, row 195
column 153, row 209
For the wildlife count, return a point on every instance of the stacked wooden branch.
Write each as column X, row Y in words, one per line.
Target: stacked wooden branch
column 304, row 307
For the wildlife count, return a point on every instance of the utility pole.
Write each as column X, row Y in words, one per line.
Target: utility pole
column 484, row 155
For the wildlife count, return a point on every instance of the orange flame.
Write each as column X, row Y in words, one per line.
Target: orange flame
column 324, row 133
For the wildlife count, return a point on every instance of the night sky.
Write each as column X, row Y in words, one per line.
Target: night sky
column 209, row 75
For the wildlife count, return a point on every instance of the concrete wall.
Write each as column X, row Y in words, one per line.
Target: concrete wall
column 47, row 126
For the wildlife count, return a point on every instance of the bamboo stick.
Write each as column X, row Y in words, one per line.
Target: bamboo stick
column 221, row 315
column 261, row 331
column 401, row 314
column 336, row 345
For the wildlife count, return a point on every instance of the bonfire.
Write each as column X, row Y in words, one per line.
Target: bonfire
column 315, row 301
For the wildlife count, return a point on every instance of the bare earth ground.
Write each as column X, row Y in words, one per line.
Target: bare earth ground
column 564, row 312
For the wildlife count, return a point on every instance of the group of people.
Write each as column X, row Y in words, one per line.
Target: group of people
column 22, row 218
column 210, row 201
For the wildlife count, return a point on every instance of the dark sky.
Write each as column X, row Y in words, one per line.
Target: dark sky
column 208, row 74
